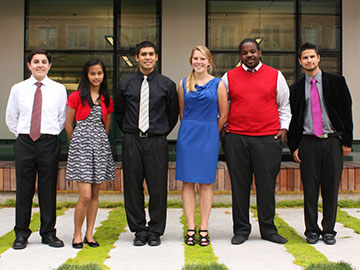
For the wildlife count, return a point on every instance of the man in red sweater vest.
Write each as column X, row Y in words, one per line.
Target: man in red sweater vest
column 258, row 121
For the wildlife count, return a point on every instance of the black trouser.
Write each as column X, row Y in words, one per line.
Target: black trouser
column 145, row 158
column 41, row 156
column 321, row 166
column 245, row 156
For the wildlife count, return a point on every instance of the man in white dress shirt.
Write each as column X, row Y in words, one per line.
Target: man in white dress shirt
column 258, row 121
column 36, row 113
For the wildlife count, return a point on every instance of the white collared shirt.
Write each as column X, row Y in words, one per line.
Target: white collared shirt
column 20, row 104
column 282, row 96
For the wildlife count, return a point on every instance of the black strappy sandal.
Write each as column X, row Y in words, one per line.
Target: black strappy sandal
column 204, row 241
column 190, row 238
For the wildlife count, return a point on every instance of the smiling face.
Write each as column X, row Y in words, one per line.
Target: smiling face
column 310, row 60
column 95, row 75
column 147, row 59
column 199, row 62
column 249, row 54
column 39, row 66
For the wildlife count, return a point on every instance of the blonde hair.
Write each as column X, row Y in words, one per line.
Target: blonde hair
column 190, row 80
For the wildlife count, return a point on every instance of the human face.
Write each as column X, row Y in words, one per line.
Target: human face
column 249, row 54
column 95, row 75
column 310, row 60
column 199, row 62
column 39, row 66
column 147, row 59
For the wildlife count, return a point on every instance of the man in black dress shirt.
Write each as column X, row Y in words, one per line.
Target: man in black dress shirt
column 145, row 148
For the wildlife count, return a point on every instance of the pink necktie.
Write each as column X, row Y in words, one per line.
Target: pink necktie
column 36, row 114
column 316, row 109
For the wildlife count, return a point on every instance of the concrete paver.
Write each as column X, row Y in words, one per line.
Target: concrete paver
column 255, row 253
column 347, row 244
column 352, row 212
column 169, row 255
column 38, row 256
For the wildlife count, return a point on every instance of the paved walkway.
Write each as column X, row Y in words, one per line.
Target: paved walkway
column 254, row 254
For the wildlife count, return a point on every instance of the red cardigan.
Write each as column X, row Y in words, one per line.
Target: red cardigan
column 83, row 111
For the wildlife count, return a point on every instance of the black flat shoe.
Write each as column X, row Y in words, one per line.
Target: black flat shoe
column 52, row 241
column 91, row 244
column 312, row 238
column 20, row 243
column 77, row 245
column 329, row 239
column 140, row 239
column 238, row 239
column 275, row 238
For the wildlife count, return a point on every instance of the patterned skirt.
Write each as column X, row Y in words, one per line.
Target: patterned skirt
column 89, row 158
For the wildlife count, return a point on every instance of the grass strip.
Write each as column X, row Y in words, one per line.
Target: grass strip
column 348, row 221
column 7, row 240
column 198, row 257
column 107, row 234
column 89, row 266
column 304, row 254
column 329, row 266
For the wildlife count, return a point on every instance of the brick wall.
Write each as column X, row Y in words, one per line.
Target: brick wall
column 288, row 179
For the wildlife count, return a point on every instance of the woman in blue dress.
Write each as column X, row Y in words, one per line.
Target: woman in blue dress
column 203, row 112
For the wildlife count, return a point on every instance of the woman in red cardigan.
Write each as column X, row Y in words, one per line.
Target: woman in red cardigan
column 90, row 160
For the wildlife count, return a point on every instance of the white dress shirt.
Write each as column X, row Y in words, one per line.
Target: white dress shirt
column 282, row 96
column 20, row 105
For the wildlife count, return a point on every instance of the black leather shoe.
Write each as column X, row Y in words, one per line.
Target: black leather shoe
column 20, row 243
column 275, row 238
column 91, row 244
column 154, row 240
column 239, row 239
column 140, row 240
column 329, row 239
column 77, row 245
column 312, row 238
column 52, row 241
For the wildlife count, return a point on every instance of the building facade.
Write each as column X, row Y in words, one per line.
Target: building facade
column 76, row 30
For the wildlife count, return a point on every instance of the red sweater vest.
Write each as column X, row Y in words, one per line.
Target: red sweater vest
column 253, row 108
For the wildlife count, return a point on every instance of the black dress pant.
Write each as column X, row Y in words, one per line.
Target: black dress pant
column 145, row 158
column 245, row 156
column 321, row 167
column 42, row 157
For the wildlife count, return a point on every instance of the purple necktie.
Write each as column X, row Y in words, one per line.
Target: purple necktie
column 316, row 109
column 36, row 114
column 251, row 70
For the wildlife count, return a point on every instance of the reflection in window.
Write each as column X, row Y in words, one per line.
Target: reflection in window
column 274, row 21
column 275, row 25
column 47, row 37
column 138, row 21
column 325, row 17
column 75, row 21
column 77, row 38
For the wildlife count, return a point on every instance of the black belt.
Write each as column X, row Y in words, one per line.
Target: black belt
column 41, row 138
column 145, row 134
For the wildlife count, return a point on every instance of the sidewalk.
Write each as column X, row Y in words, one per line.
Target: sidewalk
column 254, row 254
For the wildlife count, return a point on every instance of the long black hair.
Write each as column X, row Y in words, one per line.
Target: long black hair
column 84, row 85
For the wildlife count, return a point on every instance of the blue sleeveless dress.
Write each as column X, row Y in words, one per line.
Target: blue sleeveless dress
column 197, row 147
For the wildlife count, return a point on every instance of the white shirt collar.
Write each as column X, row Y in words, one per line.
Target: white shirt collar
column 45, row 81
column 256, row 68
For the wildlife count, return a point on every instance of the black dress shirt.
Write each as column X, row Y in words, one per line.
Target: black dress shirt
column 163, row 103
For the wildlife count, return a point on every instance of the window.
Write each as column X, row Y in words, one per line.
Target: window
column 75, row 31
column 278, row 25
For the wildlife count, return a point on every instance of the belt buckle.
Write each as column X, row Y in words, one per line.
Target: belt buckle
column 324, row 136
column 143, row 134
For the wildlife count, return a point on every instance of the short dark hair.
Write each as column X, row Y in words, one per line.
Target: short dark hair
column 145, row 44
column 39, row 51
column 308, row 46
column 252, row 40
